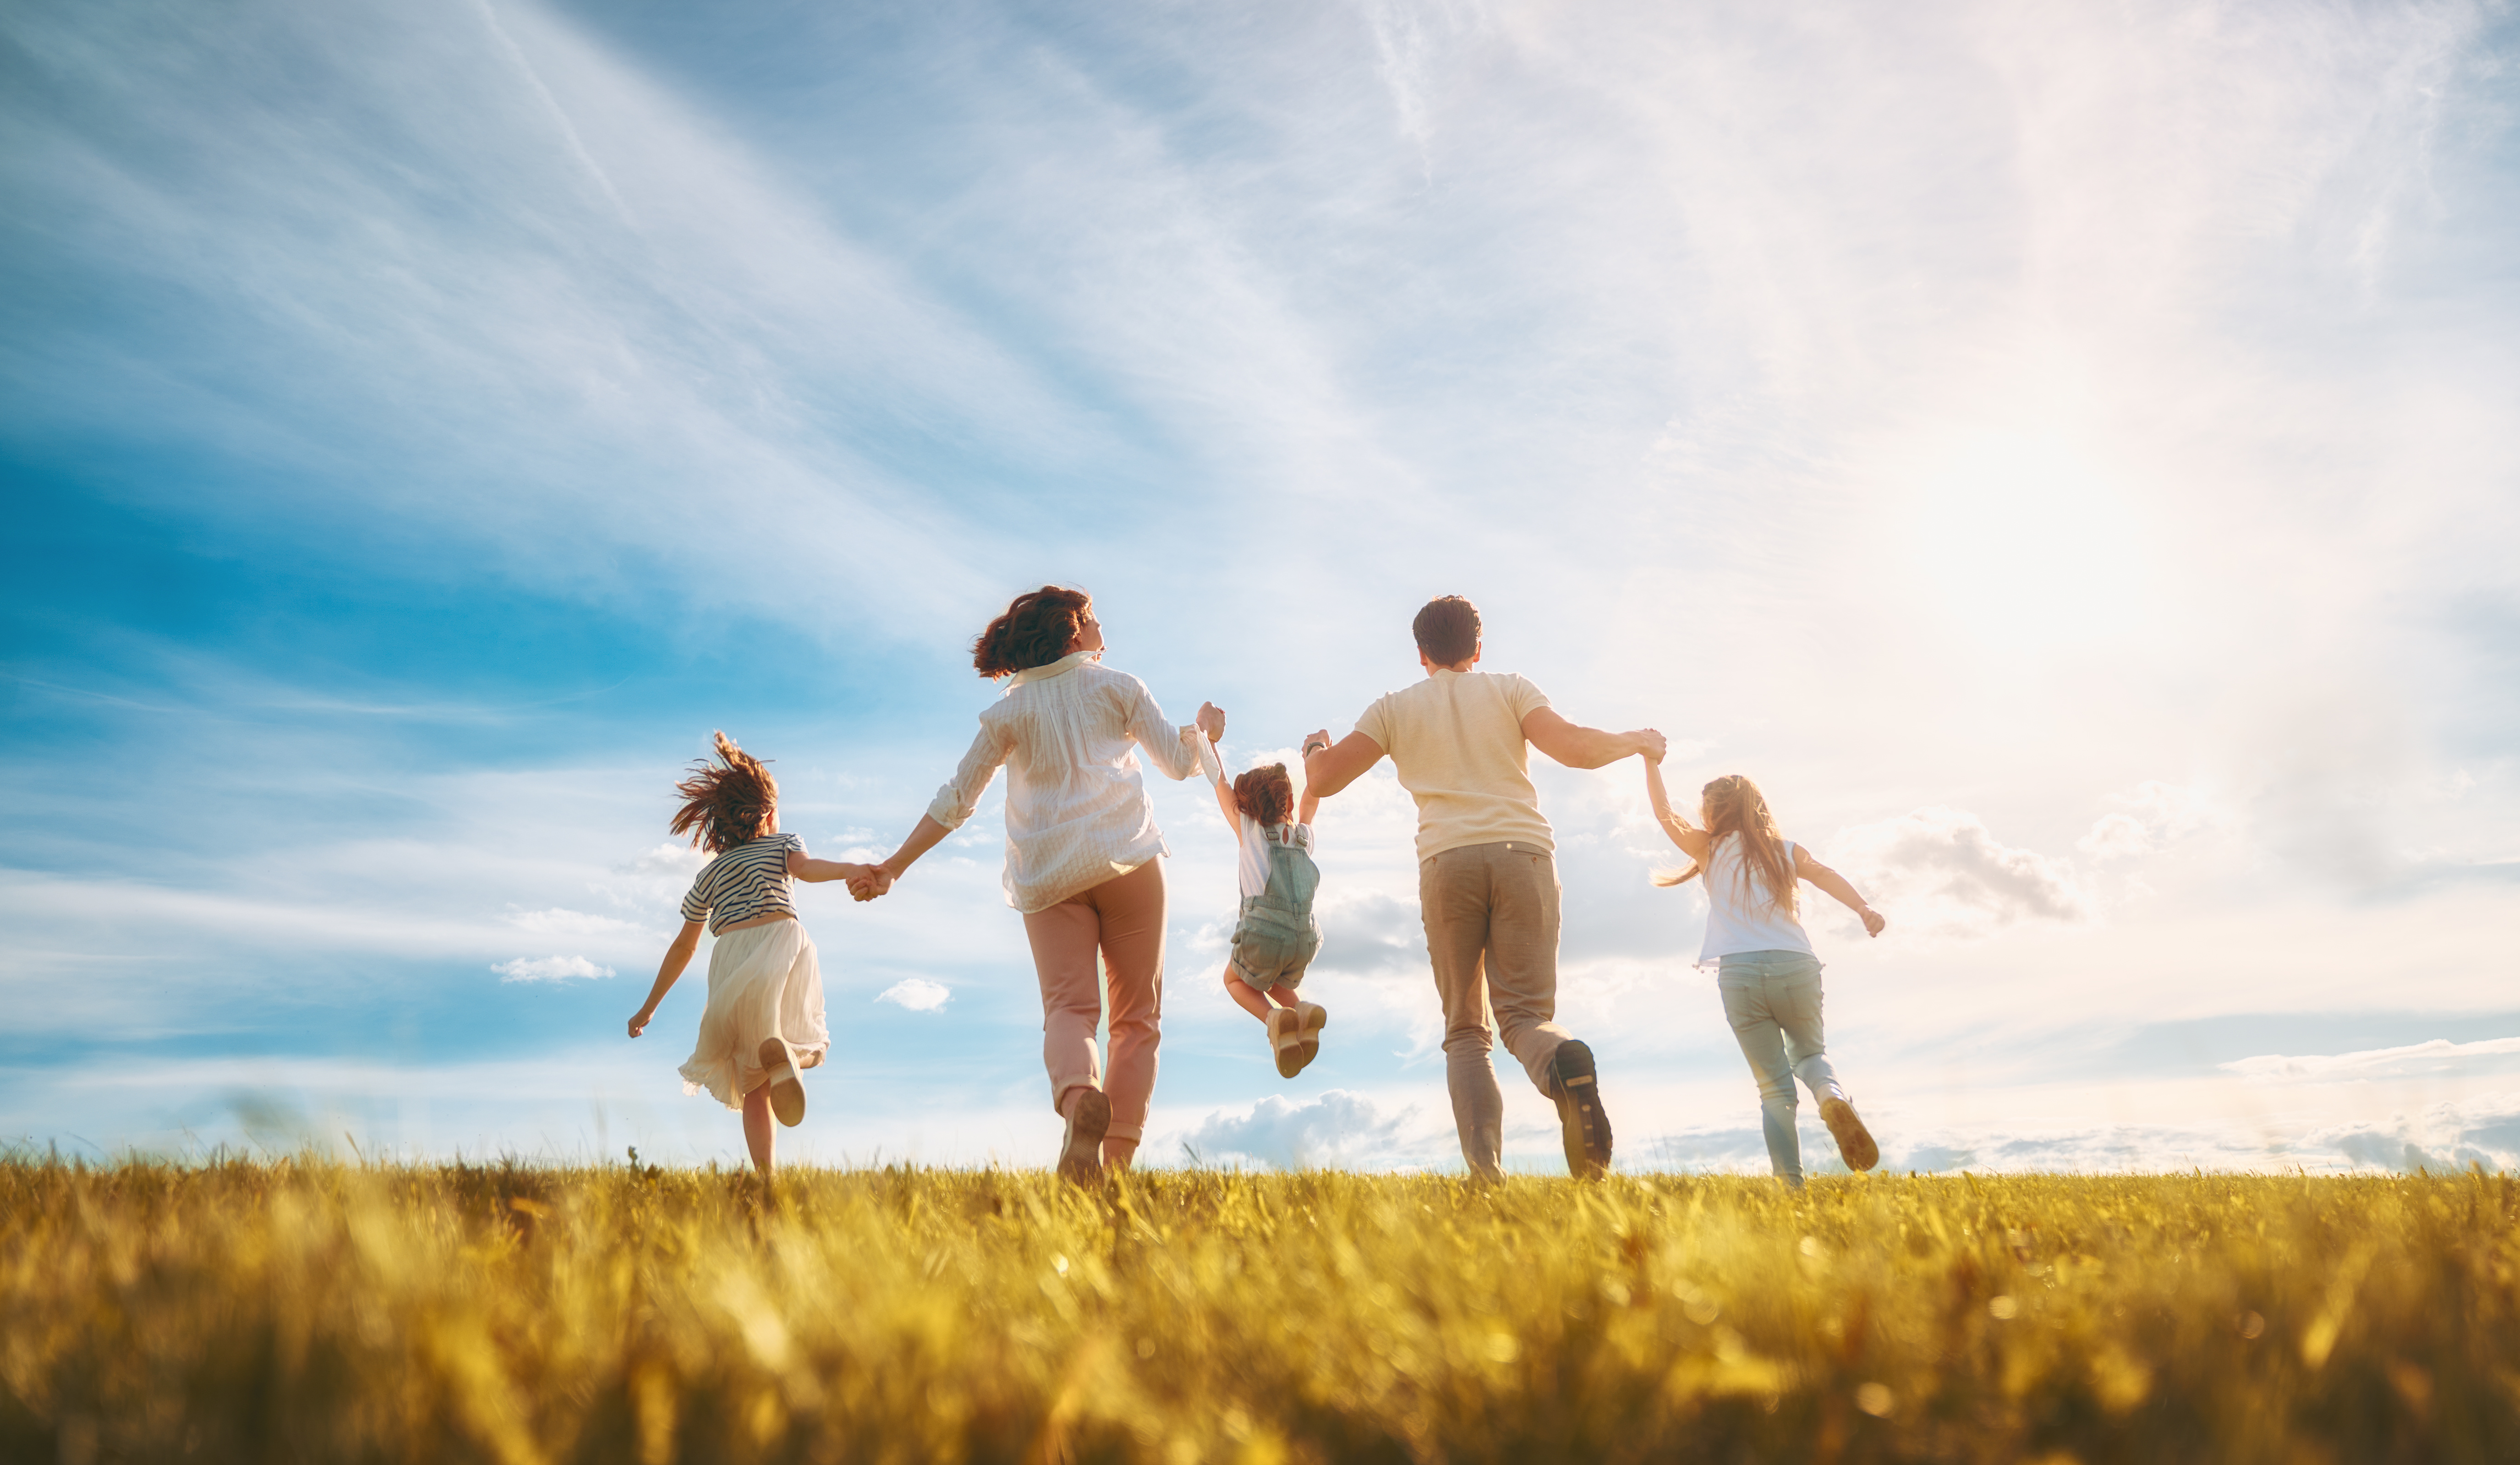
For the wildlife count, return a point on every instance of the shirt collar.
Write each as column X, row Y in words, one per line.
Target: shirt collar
column 1059, row 667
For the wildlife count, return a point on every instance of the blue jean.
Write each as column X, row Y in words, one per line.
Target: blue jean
column 1772, row 999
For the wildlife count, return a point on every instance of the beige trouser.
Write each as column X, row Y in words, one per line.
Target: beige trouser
column 1123, row 918
column 1490, row 912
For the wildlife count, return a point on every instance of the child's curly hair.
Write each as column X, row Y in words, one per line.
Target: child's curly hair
column 1266, row 794
column 727, row 803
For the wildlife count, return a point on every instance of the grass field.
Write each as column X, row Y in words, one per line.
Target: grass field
column 318, row 1311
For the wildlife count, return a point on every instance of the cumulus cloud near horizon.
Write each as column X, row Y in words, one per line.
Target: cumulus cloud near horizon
column 2449, row 1137
column 1943, row 873
column 548, row 969
column 1338, row 1129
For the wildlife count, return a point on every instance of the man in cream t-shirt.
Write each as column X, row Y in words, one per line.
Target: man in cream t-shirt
column 1487, row 875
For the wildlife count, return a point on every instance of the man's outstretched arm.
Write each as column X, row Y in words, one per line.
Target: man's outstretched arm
column 1331, row 769
column 1579, row 746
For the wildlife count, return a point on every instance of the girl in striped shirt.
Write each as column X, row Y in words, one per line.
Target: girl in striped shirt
column 764, row 1019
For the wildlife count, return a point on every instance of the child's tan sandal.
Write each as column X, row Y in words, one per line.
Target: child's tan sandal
column 1286, row 1041
column 1313, row 1018
column 787, row 1085
column 1854, row 1142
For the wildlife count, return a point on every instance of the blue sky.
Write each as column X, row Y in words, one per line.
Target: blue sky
column 2066, row 456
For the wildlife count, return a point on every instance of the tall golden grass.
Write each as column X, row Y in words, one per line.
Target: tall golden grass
column 309, row 1311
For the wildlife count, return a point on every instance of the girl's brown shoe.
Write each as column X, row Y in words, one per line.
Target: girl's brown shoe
column 1854, row 1142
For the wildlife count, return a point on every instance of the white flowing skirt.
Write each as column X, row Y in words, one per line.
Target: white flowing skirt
column 763, row 982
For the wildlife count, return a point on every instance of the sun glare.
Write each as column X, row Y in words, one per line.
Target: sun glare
column 2028, row 543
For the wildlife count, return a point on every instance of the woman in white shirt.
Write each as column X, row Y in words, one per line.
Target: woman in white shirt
column 1081, row 854
column 1766, row 970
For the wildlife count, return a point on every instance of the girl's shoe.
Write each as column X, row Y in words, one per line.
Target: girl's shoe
column 1286, row 1040
column 786, row 1088
column 1854, row 1142
column 1080, row 1153
column 1315, row 1017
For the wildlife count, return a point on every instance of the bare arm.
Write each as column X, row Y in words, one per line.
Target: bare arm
column 1836, row 885
column 1579, row 746
column 1216, row 778
column 1692, row 840
column 945, row 814
column 880, row 877
column 814, row 871
column 677, row 957
column 1340, row 765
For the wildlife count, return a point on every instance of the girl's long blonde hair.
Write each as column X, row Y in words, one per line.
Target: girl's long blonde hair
column 1733, row 804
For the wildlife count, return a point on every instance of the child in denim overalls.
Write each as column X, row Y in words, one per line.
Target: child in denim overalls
column 1276, row 937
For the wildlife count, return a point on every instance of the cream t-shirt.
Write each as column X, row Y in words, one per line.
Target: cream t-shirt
column 1456, row 739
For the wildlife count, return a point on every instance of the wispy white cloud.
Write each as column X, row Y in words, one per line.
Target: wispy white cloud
column 2440, row 1055
column 558, row 922
column 548, row 969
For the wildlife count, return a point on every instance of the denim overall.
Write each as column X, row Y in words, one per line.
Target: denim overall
column 1277, row 937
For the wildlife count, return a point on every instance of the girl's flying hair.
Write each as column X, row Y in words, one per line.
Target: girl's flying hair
column 1735, row 806
column 1037, row 628
column 1264, row 794
column 727, row 803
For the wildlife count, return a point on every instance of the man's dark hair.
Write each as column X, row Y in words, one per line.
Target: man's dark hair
column 1448, row 630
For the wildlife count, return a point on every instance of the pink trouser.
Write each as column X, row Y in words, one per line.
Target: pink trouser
column 1123, row 917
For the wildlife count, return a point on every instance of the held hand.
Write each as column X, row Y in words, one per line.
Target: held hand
column 1318, row 742
column 1874, row 920
column 1650, row 743
column 875, row 882
column 1211, row 720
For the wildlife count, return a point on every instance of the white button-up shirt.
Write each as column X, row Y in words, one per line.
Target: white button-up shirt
column 1077, row 813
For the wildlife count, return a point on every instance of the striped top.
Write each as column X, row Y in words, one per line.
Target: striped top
column 745, row 884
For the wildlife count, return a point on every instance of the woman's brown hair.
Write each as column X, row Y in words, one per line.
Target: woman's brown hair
column 726, row 803
column 1264, row 794
column 1733, row 804
column 1040, row 627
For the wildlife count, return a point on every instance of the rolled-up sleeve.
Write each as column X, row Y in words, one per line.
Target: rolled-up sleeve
column 1174, row 751
column 955, row 801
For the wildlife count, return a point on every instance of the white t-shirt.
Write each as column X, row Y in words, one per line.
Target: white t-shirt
column 1254, row 867
column 1738, row 918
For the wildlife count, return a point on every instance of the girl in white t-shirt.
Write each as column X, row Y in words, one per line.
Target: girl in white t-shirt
column 1275, row 938
column 764, row 1019
column 1765, row 967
